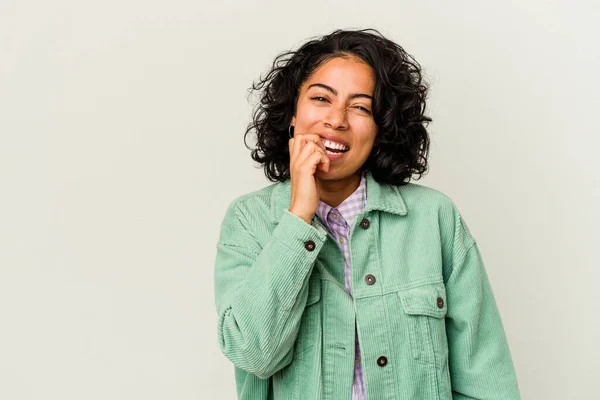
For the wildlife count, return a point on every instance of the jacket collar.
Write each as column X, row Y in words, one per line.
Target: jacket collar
column 380, row 196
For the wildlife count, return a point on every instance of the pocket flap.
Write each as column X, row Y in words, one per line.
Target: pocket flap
column 427, row 299
column 314, row 288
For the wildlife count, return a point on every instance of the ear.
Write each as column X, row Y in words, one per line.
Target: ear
column 293, row 121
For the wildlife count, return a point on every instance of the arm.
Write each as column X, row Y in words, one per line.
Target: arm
column 251, row 387
column 479, row 357
column 261, row 292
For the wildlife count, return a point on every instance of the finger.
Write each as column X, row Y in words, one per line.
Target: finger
column 314, row 138
column 304, row 138
column 325, row 163
column 297, row 146
column 312, row 162
column 295, row 151
column 308, row 149
column 290, row 150
column 300, row 143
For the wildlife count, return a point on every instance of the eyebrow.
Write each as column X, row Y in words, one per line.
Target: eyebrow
column 332, row 90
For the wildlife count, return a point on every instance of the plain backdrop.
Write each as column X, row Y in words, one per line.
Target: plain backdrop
column 121, row 145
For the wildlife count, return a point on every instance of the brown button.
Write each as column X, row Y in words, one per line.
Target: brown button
column 365, row 223
column 382, row 361
column 309, row 245
column 370, row 279
column 440, row 302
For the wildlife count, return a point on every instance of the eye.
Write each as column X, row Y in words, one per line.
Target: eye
column 361, row 108
column 319, row 98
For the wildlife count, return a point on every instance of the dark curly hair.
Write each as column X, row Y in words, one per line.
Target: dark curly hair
column 402, row 143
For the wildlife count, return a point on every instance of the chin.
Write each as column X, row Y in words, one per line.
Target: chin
column 326, row 176
column 332, row 175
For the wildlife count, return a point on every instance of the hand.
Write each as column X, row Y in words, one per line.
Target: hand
column 307, row 152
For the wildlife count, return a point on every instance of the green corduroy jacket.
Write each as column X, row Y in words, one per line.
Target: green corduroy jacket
column 287, row 323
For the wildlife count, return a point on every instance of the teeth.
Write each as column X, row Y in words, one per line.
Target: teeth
column 334, row 145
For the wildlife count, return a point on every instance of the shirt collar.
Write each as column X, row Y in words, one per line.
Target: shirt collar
column 348, row 209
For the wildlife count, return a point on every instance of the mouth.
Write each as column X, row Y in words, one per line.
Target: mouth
column 334, row 148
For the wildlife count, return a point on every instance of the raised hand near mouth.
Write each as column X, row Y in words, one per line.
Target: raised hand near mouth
column 307, row 153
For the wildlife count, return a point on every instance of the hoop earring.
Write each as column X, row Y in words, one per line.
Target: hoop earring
column 290, row 133
column 376, row 151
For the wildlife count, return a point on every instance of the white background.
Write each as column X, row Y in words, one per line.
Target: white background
column 121, row 126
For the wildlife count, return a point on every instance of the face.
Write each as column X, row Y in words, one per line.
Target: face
column 335, row 102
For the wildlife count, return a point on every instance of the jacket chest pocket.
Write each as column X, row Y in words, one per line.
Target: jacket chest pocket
column 425, row 309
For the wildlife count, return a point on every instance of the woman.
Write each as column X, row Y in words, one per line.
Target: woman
column 342, row 279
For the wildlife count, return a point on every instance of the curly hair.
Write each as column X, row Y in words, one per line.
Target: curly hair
column 402, row 143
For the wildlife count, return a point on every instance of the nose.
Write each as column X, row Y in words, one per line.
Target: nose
column 336, row 118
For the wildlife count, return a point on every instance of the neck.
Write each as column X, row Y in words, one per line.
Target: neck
column 334, row 192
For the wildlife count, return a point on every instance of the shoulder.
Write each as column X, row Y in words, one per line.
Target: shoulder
column 248, row 213
column 253, row 205
column 421, row 197
column 426, row 201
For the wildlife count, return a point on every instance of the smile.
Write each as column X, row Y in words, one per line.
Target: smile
column 334, row 147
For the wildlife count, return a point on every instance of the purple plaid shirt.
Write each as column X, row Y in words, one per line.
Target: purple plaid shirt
column 338, row 221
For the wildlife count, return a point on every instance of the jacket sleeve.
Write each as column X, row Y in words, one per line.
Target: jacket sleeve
column 480, row 362
column 261, row 291
column 251, row 387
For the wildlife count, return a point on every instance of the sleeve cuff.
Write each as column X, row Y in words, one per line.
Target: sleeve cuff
column 295, row 232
